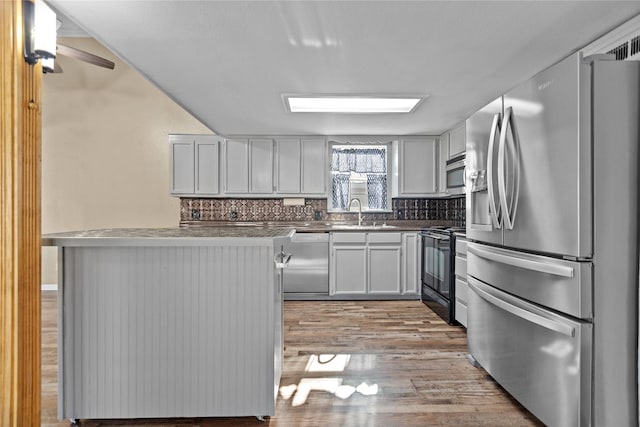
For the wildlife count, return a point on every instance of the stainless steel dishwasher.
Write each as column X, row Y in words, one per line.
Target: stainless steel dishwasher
column 307, row 274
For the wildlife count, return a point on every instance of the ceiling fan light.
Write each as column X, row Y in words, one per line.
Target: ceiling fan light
column 352, row 104
column 40, row 31
column 48, row 65
column 45, row 31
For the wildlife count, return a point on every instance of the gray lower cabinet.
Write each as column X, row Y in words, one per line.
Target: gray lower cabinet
column 348, row 263
column 461, row 281
column 384, row 264
column 349, row 270
column 373, row 263
column 411, row 263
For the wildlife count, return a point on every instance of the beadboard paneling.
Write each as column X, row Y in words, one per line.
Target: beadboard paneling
column 168, row 332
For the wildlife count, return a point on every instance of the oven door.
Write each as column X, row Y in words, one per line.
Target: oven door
column 436, row 262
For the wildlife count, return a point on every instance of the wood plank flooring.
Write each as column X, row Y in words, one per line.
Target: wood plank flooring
column 352, row 363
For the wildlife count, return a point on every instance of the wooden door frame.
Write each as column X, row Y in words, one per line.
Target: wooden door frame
column 20, row 217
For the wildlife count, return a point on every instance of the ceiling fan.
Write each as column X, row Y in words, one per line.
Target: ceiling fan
column 75, row 53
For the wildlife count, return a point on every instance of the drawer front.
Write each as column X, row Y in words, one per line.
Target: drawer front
column 461, row 246
column 349, row 237
column 461, row 313
column 385, row 237
column 461, row 290
column 461, row 267
column 558, row 284
column 541, row 358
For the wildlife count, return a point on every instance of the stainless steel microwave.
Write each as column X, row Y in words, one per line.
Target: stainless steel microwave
column 455, row 175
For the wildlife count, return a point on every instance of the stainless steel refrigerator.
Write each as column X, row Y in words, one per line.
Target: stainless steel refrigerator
column 552, row 216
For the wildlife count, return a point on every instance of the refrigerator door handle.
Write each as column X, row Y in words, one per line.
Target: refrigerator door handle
column 515, row 161
column 509, row 207
column 494, row 208
column 521, row 262
column 516, row 309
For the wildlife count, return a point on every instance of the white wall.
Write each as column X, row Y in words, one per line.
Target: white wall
column 105, row 153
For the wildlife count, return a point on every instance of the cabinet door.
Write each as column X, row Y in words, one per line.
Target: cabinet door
column 207, row 161
column 457, row 143
column 418, row 166
column 314, row 166
column 237, row 166
column 384, row 269
column 182, row 164
column 443, row 156
column 288, row 166
column 261, row 165
column 349, row 270
column 411, row 263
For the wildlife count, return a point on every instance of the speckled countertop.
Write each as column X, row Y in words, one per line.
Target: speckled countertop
column 189, row 236
column 212, row 232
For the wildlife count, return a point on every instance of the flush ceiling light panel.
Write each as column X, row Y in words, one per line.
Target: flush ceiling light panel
column 352, row 103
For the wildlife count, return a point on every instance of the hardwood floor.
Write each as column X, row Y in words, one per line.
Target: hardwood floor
column 352, row 363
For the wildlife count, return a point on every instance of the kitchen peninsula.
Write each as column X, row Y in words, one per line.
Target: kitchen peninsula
column 175, row 322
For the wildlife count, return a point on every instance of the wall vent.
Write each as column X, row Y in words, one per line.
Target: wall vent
column 635, row 45
column 623, row 42
column 621, row 52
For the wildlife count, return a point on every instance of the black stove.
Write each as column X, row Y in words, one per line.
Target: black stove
column 438, row 270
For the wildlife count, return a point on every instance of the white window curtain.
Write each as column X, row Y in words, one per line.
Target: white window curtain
column 371, row 162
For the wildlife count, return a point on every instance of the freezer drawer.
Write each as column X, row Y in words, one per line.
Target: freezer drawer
column 541, row 358
column 561, row 285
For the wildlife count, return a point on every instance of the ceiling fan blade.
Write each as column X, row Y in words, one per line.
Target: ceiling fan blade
column 85, row 56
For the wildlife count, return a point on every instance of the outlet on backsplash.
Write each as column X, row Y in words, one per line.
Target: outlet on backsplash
column 195, row 214
column 234, row 215
column 317, row 215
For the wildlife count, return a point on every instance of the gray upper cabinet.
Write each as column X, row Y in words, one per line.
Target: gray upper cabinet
column 314, row 166
column 301, row 166
column 418, row 166
column 443, row 156
column 249, row 166
column 182, row 164
column 457, row 141
column 261, row 166
column 207, row 166
column 194, row 165
column 288, row 165
column 236, row 157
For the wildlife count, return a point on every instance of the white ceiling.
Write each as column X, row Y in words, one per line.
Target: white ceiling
column 229, row 62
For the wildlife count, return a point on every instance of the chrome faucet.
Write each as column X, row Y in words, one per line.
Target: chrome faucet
column 359, row 209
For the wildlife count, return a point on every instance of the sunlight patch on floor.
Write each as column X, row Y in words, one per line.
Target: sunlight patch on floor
column 299, row 393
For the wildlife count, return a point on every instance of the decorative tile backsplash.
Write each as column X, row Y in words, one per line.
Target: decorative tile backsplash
column 260, row 210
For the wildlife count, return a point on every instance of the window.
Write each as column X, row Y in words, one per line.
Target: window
column 359, row 172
